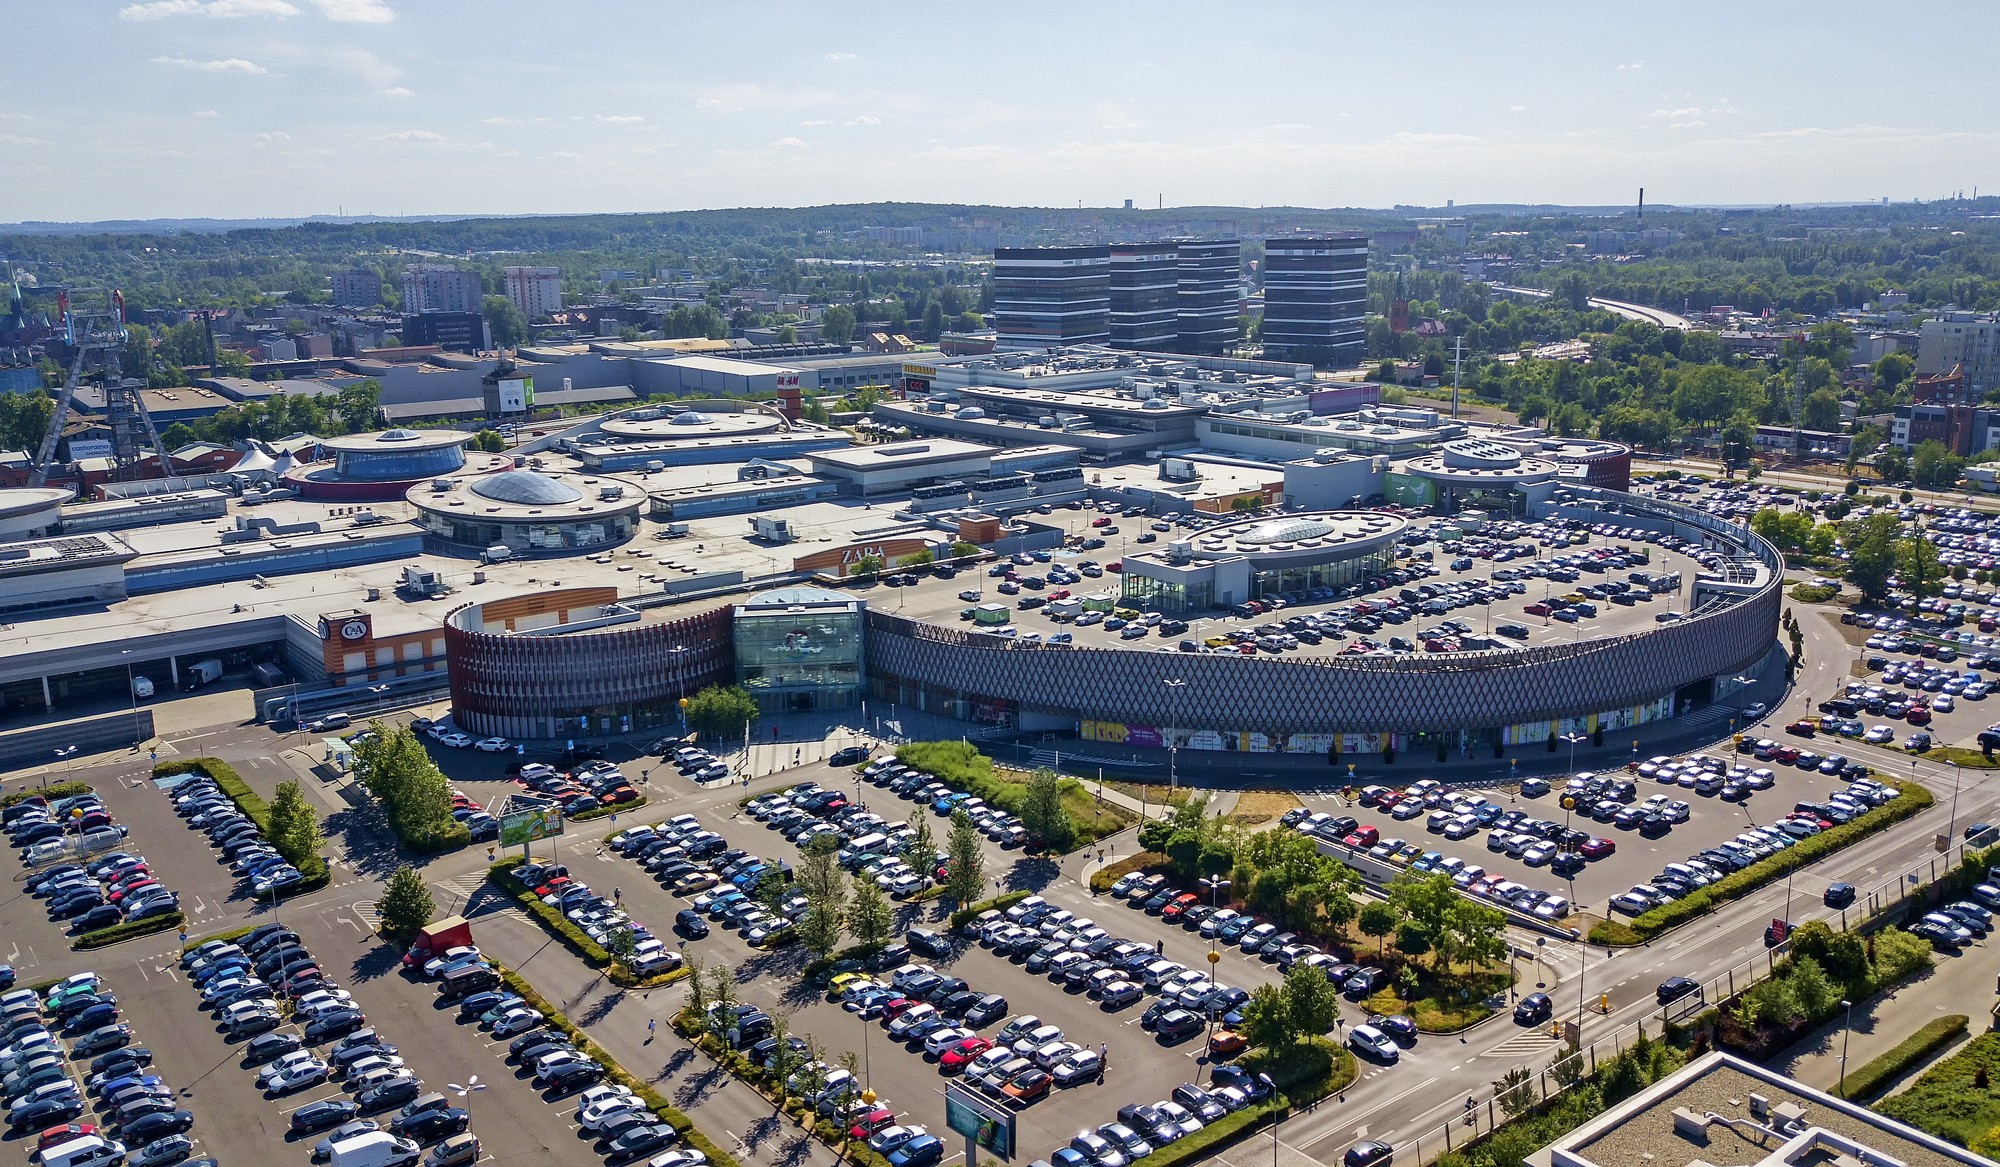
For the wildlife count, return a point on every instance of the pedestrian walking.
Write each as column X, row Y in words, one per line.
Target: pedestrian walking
column 617, row 895
column 652, row 1026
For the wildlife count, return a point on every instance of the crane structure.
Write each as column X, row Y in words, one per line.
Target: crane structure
column 93, row 338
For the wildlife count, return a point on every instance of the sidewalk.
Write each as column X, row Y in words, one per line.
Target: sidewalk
column 1959, row 984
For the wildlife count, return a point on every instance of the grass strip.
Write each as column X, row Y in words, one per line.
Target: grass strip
column 573, row 937
column 1870, row 1079
column 997, row 903
column 128, row 930
column 59, row 790
column 605, row 811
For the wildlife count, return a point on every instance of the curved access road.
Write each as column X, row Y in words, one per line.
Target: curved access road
column 1650, row 315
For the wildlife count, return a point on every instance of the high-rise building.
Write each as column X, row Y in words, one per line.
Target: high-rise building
column 356, row 288
column 1048, row 297
column 1206, row 299
column 536, row 291
column 1145, row 280
column 1968, row 342
column 436, row 287
column 1315, row 299
column 458, row 331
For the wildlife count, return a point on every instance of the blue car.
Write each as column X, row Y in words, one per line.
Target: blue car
column 922, row 1151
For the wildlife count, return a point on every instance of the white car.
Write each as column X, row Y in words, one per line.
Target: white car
column 1372, row 1042
column 494, row 745
column 296, row 1077
column 1878, row 734
column 941, row 1040
column 1942, row 703
column 596, row 1115
column 456, row 740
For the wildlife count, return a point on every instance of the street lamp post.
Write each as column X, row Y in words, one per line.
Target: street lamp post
column 1573, row 739
column 1582, row 963
column 1278, row 1115
column 65, row 753
column 1951, row 832
column 1173, row 733
column 1846, row 1028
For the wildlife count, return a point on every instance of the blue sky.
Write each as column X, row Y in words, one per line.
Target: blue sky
column 234, row 108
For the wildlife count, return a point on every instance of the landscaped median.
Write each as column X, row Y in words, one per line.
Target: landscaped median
column 317, row 872
column 604, row 811
column 962, row 767
column 574, row 938
column 59, row 790
column 117, row 932
column 1868, row 1080
column 681, row 1123
column 1701, row 901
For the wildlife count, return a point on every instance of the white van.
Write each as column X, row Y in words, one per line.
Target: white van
column 373, row 1149
column 864, row 848
column 88, row 1151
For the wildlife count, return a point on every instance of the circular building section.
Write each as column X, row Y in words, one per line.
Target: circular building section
column 1605, row 465
column 1226, row 565
column 379, row 466
column 576, row 662
column 692, row 424
column 30, row 511
column 528, row 510
column 1476, row 472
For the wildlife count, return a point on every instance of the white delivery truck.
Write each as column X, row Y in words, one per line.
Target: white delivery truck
column 203, row 672
column 142, row 687
column 373, row 1149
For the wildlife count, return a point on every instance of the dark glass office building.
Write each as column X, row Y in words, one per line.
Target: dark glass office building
column 1316, row 298
column 1205, row 300
column 1145, row 284
column 1048, row 297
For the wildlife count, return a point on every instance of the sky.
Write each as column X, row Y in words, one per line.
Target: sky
column 251, row 108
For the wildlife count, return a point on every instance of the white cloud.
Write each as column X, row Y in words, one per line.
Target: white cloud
column 620, row 119
column 1693, row 125
column 206, row 113
column 226, row 65
column 708, row 103
column 866, row 119
column 840, row 56
column 1693, row 111
column 742, row 97
column 399, row 91
column 818, row 122
column 355, row 11
column 790, row 143
column 216, row 9
column 1633, row 65
column 1517, row 109
column 18, row 140
column 409, row 136
column 568, row 156
column 272, row 138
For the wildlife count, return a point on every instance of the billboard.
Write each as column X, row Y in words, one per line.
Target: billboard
column 992, row 1127
column 521, row 827
column 517, row 394
column 1408, row 490
column 81, row 448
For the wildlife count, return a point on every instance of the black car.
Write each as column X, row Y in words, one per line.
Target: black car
column 393, row 1092
column 1839, row 895
column 1674, row 988
column 156, row 1126
column 1369, row 1153
column 132, row 1056
column 985, row 1011
column 851, row 756
column 46, row 1113
column 431, row 1124
column 1533, row 1009
column 534, row 1043
column 339, row 1023
column 265, row 1047
column 101, row 1014
column 479, row 1003
column 688, row 923
column 574, row 1076
column 639, row 1143
column 1399, row 1026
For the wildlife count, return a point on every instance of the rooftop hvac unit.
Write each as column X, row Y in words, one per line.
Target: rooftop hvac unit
column 440, row 485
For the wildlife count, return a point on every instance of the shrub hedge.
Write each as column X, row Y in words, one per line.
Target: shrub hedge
column 690, row 1134
column 962, row 767
column 59, row 790
column 126, row 931
column 225, row 935
column 573, row 937
column 1701, row 901
column 1934, row 1036
column 606, row 811
column 1001, row 902
column 1102, row 879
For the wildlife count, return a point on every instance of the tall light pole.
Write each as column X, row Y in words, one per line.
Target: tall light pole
column 1173, row 733
column 1277, row 1115
column 1573, row 739
column 65, row 753
column 1846, row 1028
column 1951, row 832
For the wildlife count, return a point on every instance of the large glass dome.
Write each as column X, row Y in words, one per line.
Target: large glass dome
column 526, row 488
column 1287, row 531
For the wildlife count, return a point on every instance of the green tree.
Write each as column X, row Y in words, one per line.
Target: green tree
column 294, row 825
column 836, row 324
column 869, row 917
column 923, row 558
column 1892, row 464
column 721, row 710
column 1917, row 564
column 1871, row 544
column 1312, row 1001
column 1267, row 1019
column 1043, row 812
column 620, row 944
column 970, row 321
column 504, row 321
column 489, row 441
column 867, row 567
column 1933, row 464
column 1892, row 370
column 721, row 1016
column 1426, row 903
column 1411, row 939
column 964, row 550
column 824, row 885
column 1515, row 1091
column 1822, row 410
column 1739, row 438
column 922, row 853
column 965, row 858
column 1379, row 920
column 1477, row 933
column 406, row 903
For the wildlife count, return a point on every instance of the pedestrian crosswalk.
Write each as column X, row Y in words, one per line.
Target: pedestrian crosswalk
column 460, row 887
column 1528, row 1041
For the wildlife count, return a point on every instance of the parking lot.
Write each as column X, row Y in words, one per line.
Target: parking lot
column 1486, row 582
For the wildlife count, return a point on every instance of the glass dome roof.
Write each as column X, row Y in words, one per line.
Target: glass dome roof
column 691, row 417
column 526, row 488
column 1287, row 531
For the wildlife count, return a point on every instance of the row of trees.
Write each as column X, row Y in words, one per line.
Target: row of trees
column 837, row 906
column 357, row 408
column 414, row 793
column 294, row 828
column 1277, row 1017
column 720, row 710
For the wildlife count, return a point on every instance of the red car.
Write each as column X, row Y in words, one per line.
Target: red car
column 1597, row 848
column 897, row 1008
column 957, row 1055
column 1802, row 729
column 1179, row 904
column 1363, row 836
column 874, row 1120
column 1536, row 609
column 1918, row 715
column 1100, row 522
column 63, row 1134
